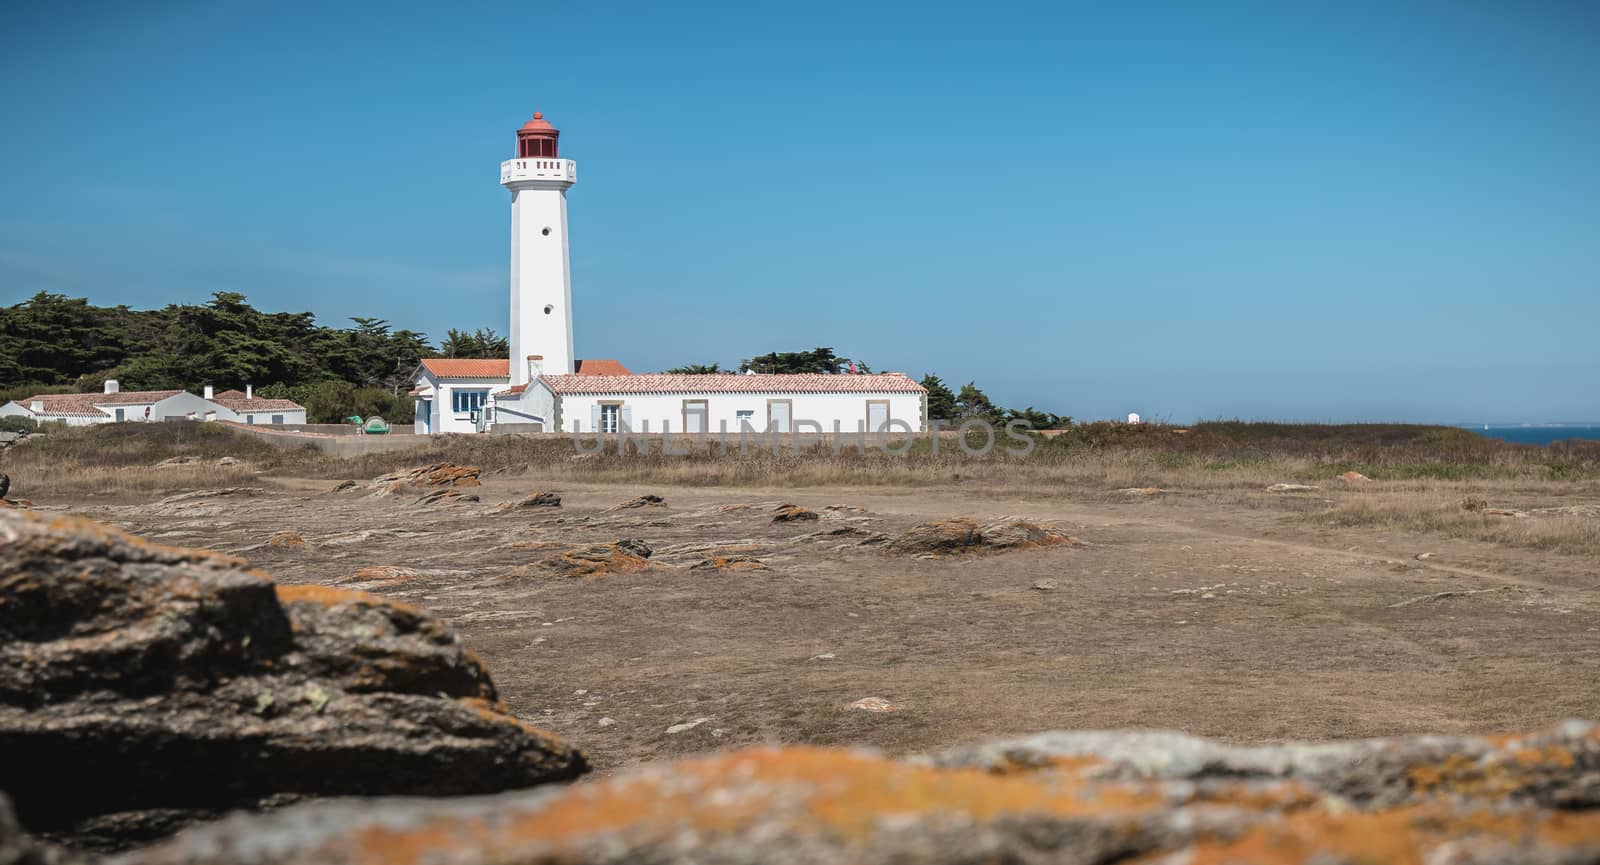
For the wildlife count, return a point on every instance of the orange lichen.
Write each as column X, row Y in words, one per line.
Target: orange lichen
column 1497, row 774
column 1399, row 836
column 331, row 597
column 286, row 539
column 822, row 792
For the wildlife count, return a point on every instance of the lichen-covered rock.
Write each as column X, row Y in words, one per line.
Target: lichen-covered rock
column 793, row 514
column 286, row 539
column 535, row 500
column 596, row 560
column 1021, row 534
column 436, row 475
column 446, row 496
column 938, row 536
column 963, row 534
column 648, row 500
column 1078, row 799
column 143, row 687
column 729, row 563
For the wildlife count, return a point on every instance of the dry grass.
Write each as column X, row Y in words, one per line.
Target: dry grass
column 1444, row 510
column 1094, row 460
column 119, row 459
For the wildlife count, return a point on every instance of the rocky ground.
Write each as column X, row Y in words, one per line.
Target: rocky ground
column 1222, row 618
column 650, row 624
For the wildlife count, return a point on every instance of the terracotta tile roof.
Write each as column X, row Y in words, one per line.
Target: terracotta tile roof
column 601, row 367
column 893, row 382
column 514, row 390
column 467, row 367
column 83, row 404
column 255, row 404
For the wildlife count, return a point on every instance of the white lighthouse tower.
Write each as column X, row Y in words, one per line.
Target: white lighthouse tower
column 541, row 274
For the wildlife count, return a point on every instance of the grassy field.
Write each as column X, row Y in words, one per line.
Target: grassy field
column 1216, row 455
column 1420, row 475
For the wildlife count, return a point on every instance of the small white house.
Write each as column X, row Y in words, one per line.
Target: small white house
column 247, row 408
column 453, row 394
column 114, row 405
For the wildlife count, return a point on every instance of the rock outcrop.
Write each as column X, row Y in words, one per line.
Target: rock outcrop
column 533, row 500
column 1076, row 798
column 793, row 514
column 143, row 687
column 596, row 560
column 426, row 480
column 446, row 496
column 649, row 500
column 939, row 537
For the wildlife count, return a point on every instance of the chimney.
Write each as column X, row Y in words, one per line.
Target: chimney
column 535, row 366
column 37, row 407
column 112, row 386
column 210, row 393
column 249, row 391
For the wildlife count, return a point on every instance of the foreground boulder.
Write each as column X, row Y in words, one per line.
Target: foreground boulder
column 1060, row 798
column 962, row 534
column 16, row 848
column 143, row 687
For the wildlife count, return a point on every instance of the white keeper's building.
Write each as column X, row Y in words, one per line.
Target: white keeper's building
column 544, row 387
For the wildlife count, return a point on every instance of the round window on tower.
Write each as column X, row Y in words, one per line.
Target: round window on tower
column 546, row 231
column 549, row 308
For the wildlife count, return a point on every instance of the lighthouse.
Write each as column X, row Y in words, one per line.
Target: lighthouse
column 541, row 272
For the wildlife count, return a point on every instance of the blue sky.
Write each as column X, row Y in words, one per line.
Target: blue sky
column 1337, row 211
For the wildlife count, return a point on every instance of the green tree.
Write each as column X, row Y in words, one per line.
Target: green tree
column 482, row 343
column 974, row 403
column 695, row 369
column 817, row 360
column 941, row 399
column 1036, row 419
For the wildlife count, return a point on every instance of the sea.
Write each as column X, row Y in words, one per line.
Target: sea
column 1530, row 434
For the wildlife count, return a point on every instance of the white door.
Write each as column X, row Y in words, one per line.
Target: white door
column 877, row 416
column 778, row 416
column 694, row 418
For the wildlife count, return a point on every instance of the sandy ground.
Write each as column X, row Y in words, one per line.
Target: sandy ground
column 1220, row 616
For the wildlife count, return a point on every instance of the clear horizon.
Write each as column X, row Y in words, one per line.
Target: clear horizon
column 1342, row 213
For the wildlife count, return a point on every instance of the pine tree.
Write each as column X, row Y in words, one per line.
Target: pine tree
column 941, row 399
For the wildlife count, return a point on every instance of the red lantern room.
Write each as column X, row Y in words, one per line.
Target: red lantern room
column 537, row 139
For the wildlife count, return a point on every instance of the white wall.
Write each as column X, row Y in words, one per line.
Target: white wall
column 15, row 409
column 850, row 410
column 445, row 419
column 534, row 405
column 541, row 274
column 177, row 407
column 265, row 416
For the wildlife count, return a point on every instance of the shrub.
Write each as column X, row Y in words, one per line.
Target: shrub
column 15, row 423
